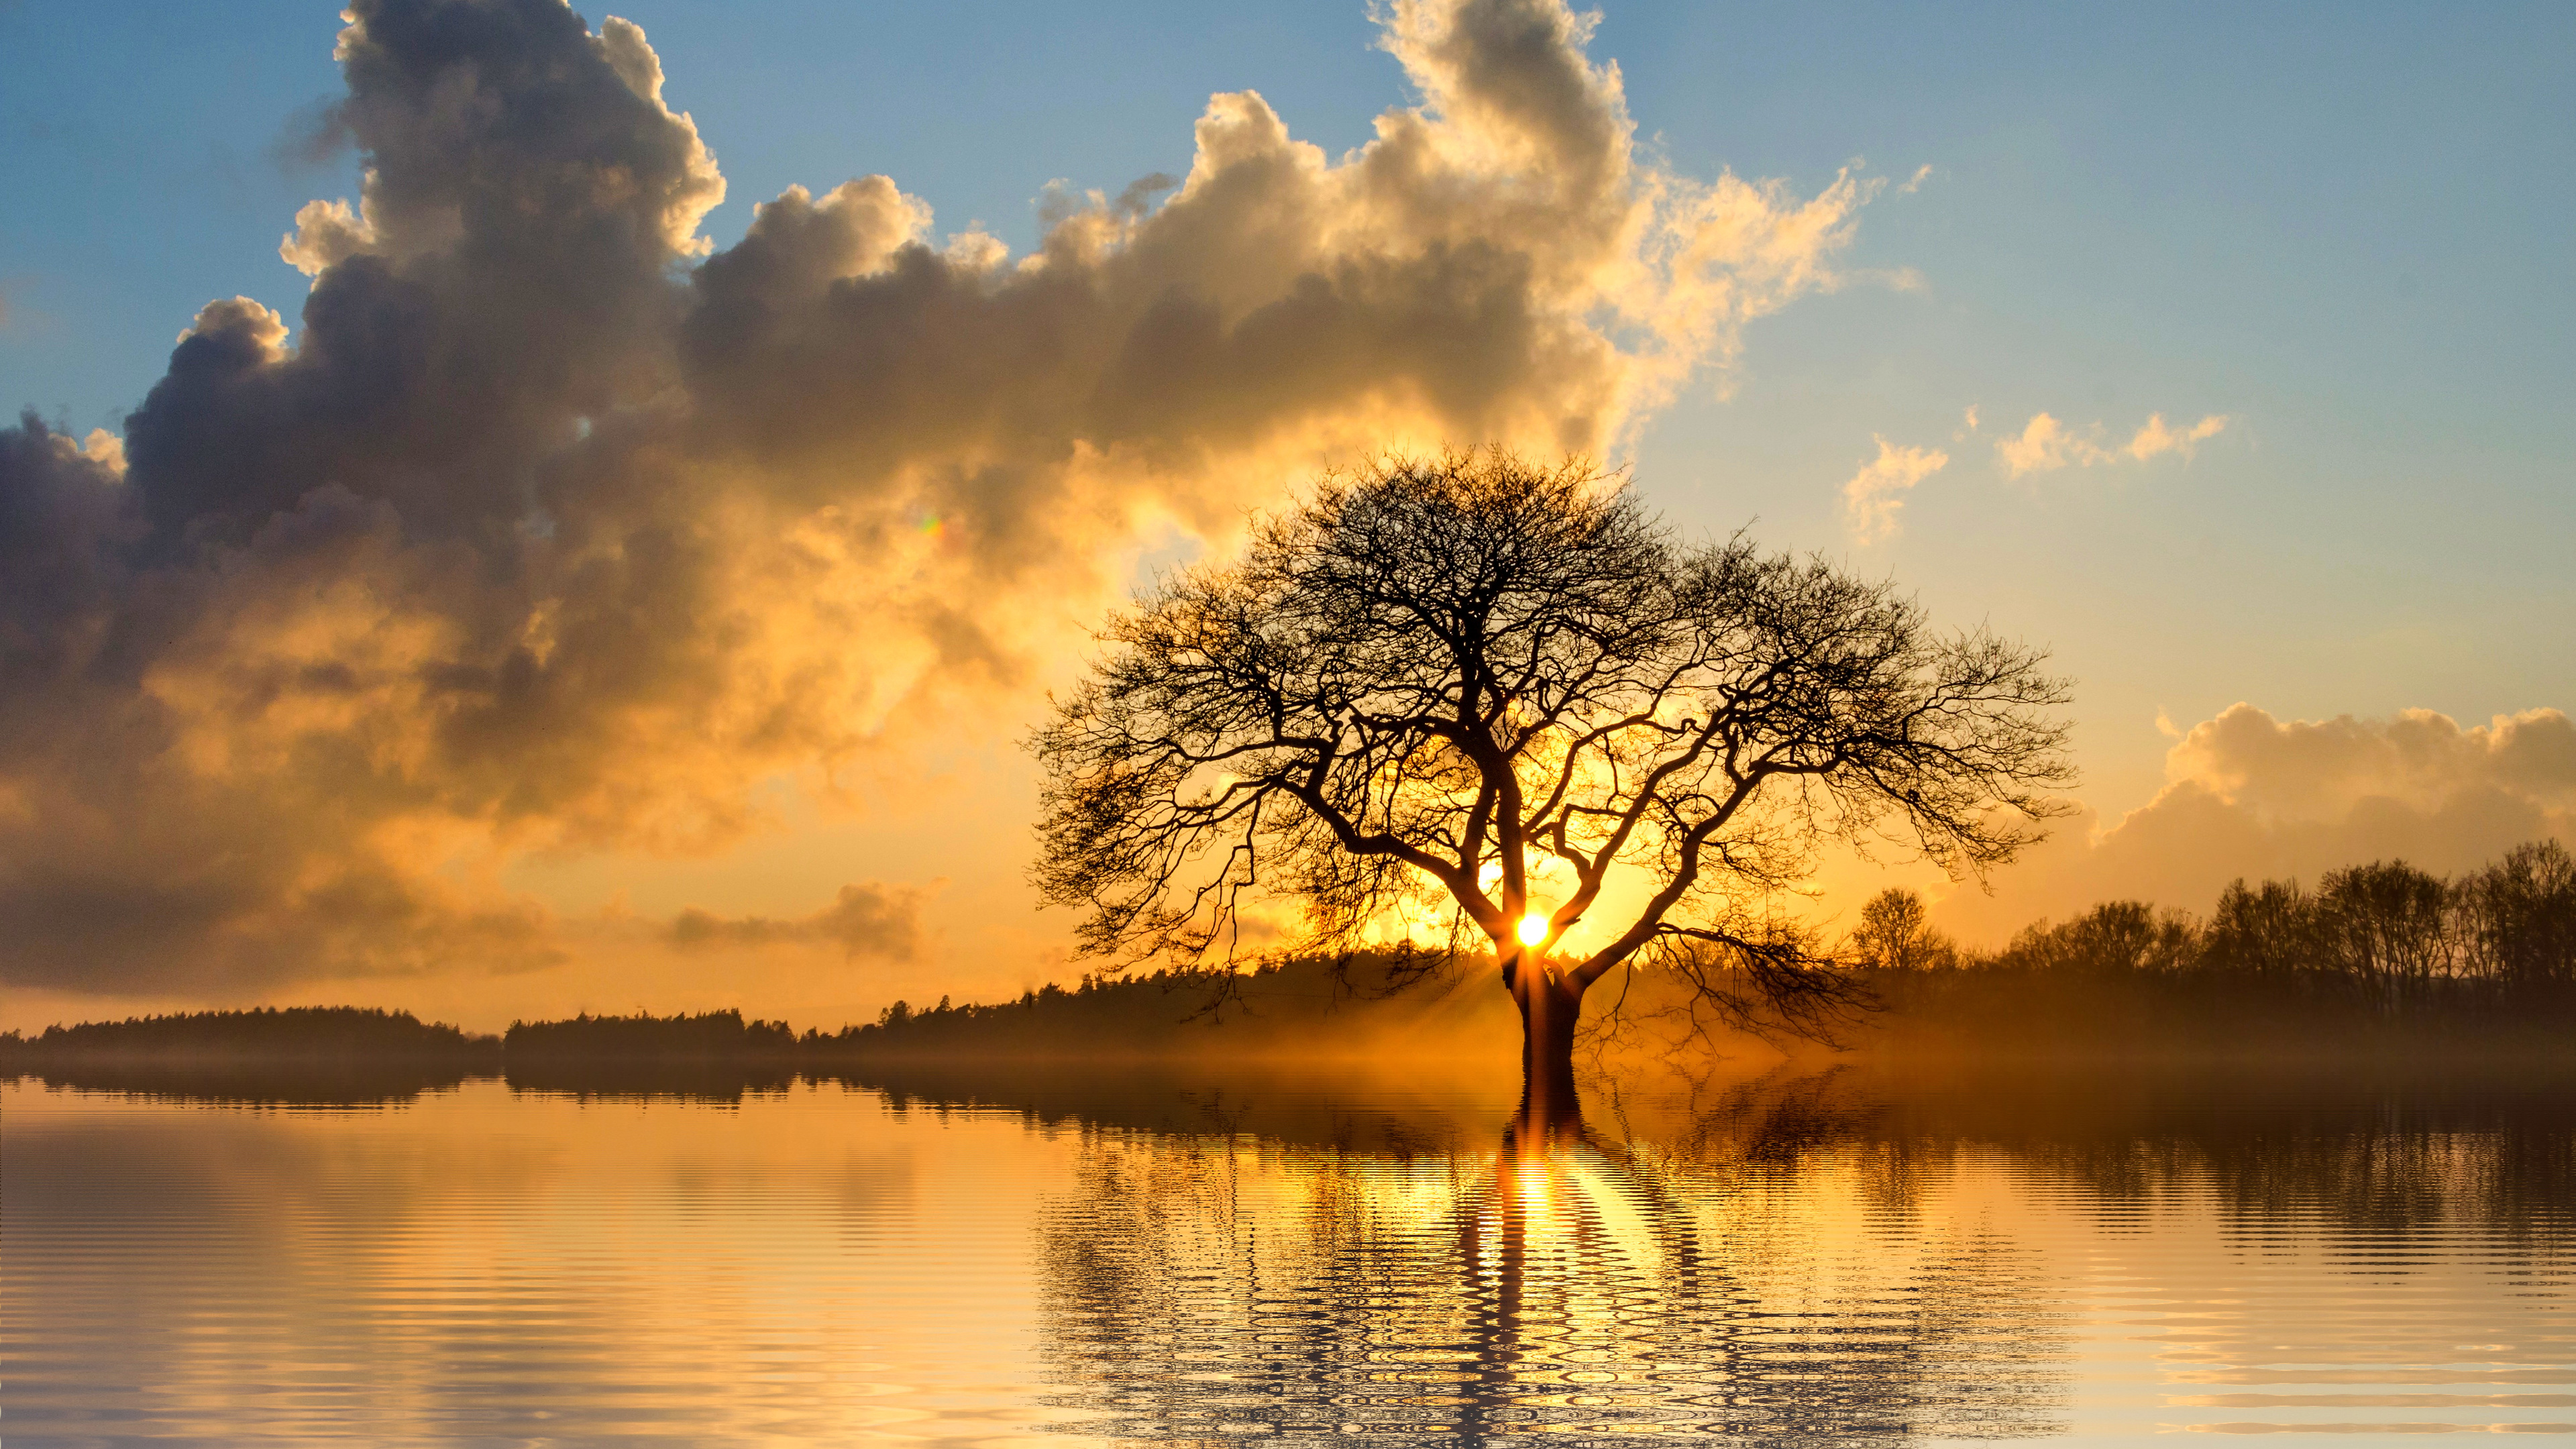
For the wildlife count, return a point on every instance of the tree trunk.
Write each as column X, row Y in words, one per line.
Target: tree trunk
column 1549, row 1007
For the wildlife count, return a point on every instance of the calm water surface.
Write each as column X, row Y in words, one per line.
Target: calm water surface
column 1827, row 1258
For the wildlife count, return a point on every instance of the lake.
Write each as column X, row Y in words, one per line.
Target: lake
column 1119, row 1254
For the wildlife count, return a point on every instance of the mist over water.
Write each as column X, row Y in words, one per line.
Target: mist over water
column 1108, row 1255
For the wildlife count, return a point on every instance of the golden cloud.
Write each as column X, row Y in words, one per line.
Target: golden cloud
column 2248, row 794
column 551, row 528
column 1874, row 495
column 2045, row 444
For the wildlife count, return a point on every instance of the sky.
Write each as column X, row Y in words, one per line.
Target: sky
column 585, row 572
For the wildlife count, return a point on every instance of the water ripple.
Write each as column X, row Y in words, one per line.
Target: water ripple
column 1789, row 1263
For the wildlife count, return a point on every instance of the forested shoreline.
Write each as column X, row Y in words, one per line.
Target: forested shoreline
column 2377, row 957
column 2381, row 954
column 1282, row 1004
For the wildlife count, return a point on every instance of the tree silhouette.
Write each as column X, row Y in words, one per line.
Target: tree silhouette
column 1486, row 690
column 1895, row 934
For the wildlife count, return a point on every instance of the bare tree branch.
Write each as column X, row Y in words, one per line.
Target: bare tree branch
column 1437, row 681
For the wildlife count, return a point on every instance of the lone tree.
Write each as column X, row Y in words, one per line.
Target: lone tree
column 1500, row 695
column 1895, row 934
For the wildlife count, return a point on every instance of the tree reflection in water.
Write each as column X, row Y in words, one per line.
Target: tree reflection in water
column 1216, row 1287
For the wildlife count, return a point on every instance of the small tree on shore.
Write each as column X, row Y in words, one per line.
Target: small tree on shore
column 2386, row 930
column 1501, row 696
column 1895, row 934
column 2518, row 918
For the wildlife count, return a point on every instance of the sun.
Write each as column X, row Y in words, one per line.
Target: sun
column 1533, row 928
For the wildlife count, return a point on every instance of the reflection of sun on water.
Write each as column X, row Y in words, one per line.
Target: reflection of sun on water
column 1782, row 1265
column 1573, row 1286
column 1571, row 1201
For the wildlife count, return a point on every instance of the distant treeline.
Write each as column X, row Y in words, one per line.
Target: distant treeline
column 359, row 1034
column 266, row 1033
column 2385, row 948
column 713, row 1034
column 1301, row 1005
column 2375, row 954
column 1279, row 1009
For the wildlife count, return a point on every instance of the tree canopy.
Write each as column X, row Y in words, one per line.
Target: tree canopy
column 1448, row 695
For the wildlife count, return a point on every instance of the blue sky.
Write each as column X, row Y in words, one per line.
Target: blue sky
column 2340, row 226
column 2343, row 229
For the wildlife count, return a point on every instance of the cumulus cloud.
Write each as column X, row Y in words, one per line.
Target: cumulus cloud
column 545, row 527
column 868, row 919
column 2302, row 769
column 2248, row 794
column 2156, row 438
column 1874, row 495
column 2046, row 444
column 326, row 234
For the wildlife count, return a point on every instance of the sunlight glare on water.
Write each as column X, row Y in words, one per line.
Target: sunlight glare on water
column 1794, row 1260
